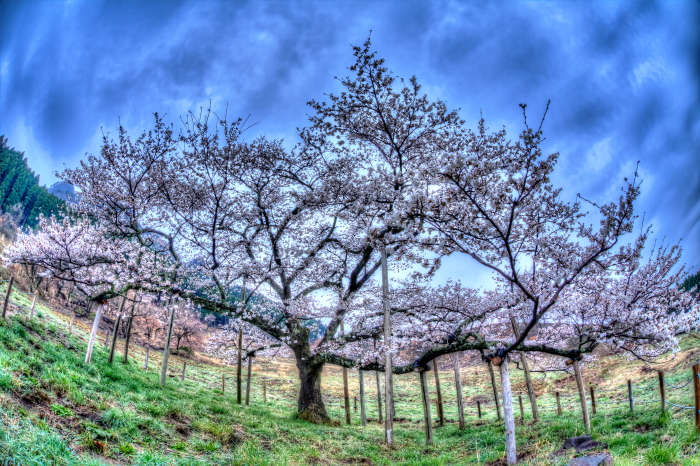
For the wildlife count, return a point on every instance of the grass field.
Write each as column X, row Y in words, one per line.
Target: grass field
column 54, row 409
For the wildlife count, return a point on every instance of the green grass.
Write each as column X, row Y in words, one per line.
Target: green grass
column 54, row 409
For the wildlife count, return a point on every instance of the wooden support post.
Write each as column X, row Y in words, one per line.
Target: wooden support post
column 70, row 324
column 223, row 384
column 107, row 335
column 239, row 365
column 127, row 340
column 526, row 370
column 363, row 410
column 166, row 349
column 495, row 391
column 427, row 422
column 264, row 391
column 662, row 391
column 458, row 387
column 113, row 345
column 388, row 365
column 440, row 409
column 346, row 389
column 379, row 398
column 478, row 408
column 582, row 396
column 7, row 296
column 558, row 404
column 249, row 376
column 696, row 386
column 184, row 368
column 93, row 334
column 509, row 418
column 145, row 362
column 630, row 395
column 355, row 404
column 522, row 411
column 31, row 313
column 593, row 407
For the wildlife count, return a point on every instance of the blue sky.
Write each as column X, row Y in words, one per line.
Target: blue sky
column 623, row 78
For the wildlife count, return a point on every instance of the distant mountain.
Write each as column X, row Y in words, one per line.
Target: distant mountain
column 64, row 191
column 20, row 192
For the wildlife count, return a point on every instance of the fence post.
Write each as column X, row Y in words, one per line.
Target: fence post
column 696, row 385
column 522, row 411
column 363, row 409
column 593, row 407
column 7, row 296
column 458, row 387
column 478, row 408
column 662, row 391
column 426, row 407
column 629, row 394
column 582, row 395
column 495, row 391
column 31, row 313
column 558, row 404
column 440, row 412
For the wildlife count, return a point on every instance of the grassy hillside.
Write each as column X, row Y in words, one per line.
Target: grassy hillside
column 54, row 409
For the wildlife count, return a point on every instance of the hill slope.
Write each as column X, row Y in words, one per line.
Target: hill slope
column 54, row 409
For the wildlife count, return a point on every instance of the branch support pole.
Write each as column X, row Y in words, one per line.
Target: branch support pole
column 363, row 409
column 31, row 313
column 509, row 416
column 388, row 366
column 582, row 396
column 440, row 408
column 495, row 390
column 528, row 379
column 93, row 334
column 7, row 296
column 427, row 422
column 166, row 350
column 458, row 387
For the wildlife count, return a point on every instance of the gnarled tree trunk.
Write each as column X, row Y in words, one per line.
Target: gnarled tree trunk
column 310, row 404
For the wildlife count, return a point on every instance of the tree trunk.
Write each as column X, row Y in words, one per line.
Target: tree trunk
column 495, row 391
column 511, row 456
column 93, row 334
column 127, row 340
column 458, row 386
column 310, row 404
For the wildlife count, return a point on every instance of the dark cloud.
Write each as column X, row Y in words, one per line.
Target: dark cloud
column 623, row 77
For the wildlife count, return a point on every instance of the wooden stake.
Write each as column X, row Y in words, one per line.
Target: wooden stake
column 7, row 296
column 31, row 313
column 264, row 391
column 511, row 455
column 630, row 395
column 346, row 390
column 593, row 407
column 166, row 350
column 223, row 384
column 528, row 380
column 184, row 368
column 93, row 334
column 363, row 410
column 582, row 396
column 522, row 411
column 662, row 391
column 113, row 345
column 388, row 366
column 239, row 365
column 478, row 408
column 696, row 385
column 458, row 387
column 247, row 386
column 427, row 422
column 495, row 391
column 379, row 398
column 558, row 404
column 440, row 409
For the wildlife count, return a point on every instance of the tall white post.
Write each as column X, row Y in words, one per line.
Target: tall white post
column 388, row 366
column 511, row 456
column 93, row 334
